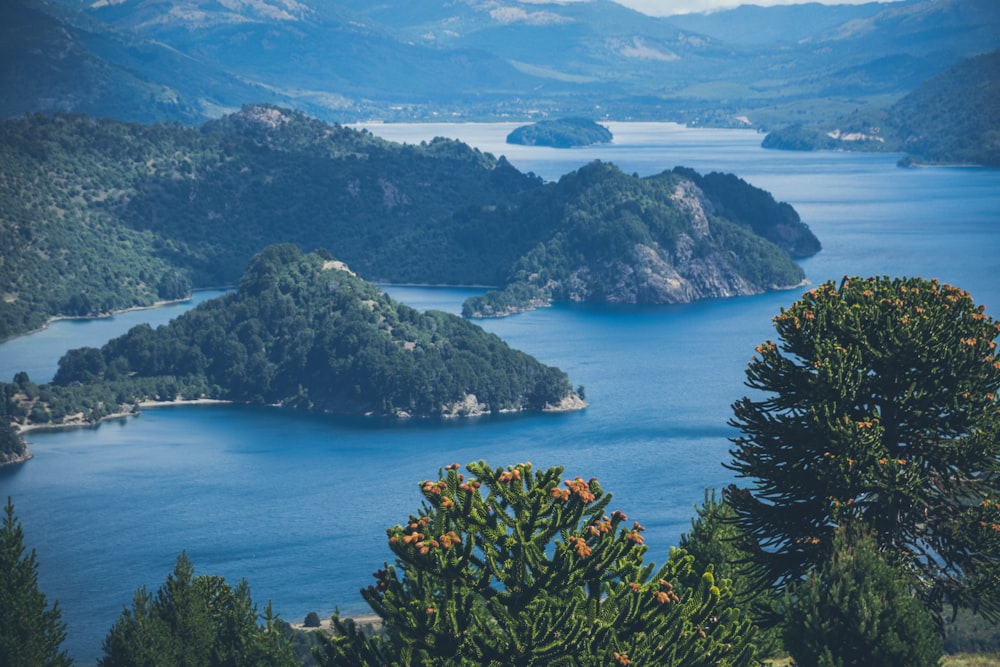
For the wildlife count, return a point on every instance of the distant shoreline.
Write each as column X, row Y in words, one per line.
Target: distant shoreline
column 102, row 316
column 26, row 428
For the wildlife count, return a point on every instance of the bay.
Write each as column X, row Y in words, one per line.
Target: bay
column 298, row 503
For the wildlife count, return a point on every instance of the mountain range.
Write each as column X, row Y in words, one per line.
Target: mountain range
column 190, row 60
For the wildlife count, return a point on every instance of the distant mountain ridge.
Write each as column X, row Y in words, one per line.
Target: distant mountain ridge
column 471, row 59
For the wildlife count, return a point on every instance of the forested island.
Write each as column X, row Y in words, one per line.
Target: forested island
column 98, row 215
column 953, row 118
column 302, row 331
column 670, row 238
column 561, row 133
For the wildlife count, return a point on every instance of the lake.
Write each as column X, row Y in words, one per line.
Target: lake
column 297, row 503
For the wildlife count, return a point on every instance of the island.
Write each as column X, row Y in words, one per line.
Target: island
column 671, row 238
column 561, row 133
column 302, row 331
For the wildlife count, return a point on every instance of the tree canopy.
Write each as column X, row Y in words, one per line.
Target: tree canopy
column 31, row 632
column 519, row 566
column 196, row 621
column 880, row 409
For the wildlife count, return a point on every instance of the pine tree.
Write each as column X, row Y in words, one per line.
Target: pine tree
column 518, row 567
column 881, row 410
column 195, row 621
column 858, row 610
column 31, row 633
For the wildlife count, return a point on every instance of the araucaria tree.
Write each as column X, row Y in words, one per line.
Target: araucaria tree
column 31, row 632
column 881, row 409
column 520, row 567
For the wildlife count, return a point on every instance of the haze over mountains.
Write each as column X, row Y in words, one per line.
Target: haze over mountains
column 187, row 61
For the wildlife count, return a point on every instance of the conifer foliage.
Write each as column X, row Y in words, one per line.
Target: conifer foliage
column 521, row 567
column 31, row 632
column 881, row 409
column 858, row 610
column 196, row 621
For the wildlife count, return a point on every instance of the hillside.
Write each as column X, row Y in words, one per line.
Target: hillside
column 479, row 59
column 98, row 215
column 952, row 118
column 304, row 332
column 671, row 238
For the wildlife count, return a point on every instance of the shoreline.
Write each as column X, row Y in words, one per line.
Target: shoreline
column 135, row 412
column 131, row 309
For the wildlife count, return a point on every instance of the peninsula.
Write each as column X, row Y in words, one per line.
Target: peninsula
column 302, row 331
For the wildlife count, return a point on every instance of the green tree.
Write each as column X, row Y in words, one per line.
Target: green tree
column 12, row 446
column 194, row 621
column 31, row 632
column 881, row 410
column 715, row 540
column 518, row 567
column 858, row 610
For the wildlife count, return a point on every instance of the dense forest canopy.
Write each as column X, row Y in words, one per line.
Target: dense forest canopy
column 98, row 215
column 302, row 331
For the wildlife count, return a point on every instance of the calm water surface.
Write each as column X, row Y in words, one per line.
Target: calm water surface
column 298, row 503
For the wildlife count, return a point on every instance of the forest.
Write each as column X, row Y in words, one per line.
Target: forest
column 100, row 215
column 304, row 332
column 674, row 237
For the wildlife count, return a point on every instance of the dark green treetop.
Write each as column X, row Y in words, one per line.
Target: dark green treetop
column 31, row 632
column 858, row 609
column 880, row 408
column 197, row 621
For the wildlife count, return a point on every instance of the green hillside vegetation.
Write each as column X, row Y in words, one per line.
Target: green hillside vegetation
column 670, row 238
column 302, row 331
column 953, row 118
column 561, row 133
column 98, row 215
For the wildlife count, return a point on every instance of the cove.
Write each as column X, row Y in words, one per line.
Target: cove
column 298, row 503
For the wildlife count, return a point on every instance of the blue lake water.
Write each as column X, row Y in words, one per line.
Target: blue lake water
column 298, row 503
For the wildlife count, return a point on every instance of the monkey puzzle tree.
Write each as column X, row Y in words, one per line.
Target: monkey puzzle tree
column 512, row 567
column 881, row 409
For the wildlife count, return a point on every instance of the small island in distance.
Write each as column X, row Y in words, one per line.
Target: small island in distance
column 561, row 133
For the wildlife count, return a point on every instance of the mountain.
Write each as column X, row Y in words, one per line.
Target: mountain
column 670, row 238
column 56, row 60
column 98, row 215
column 485, row 59
column 302, row 331
column 952, row 118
